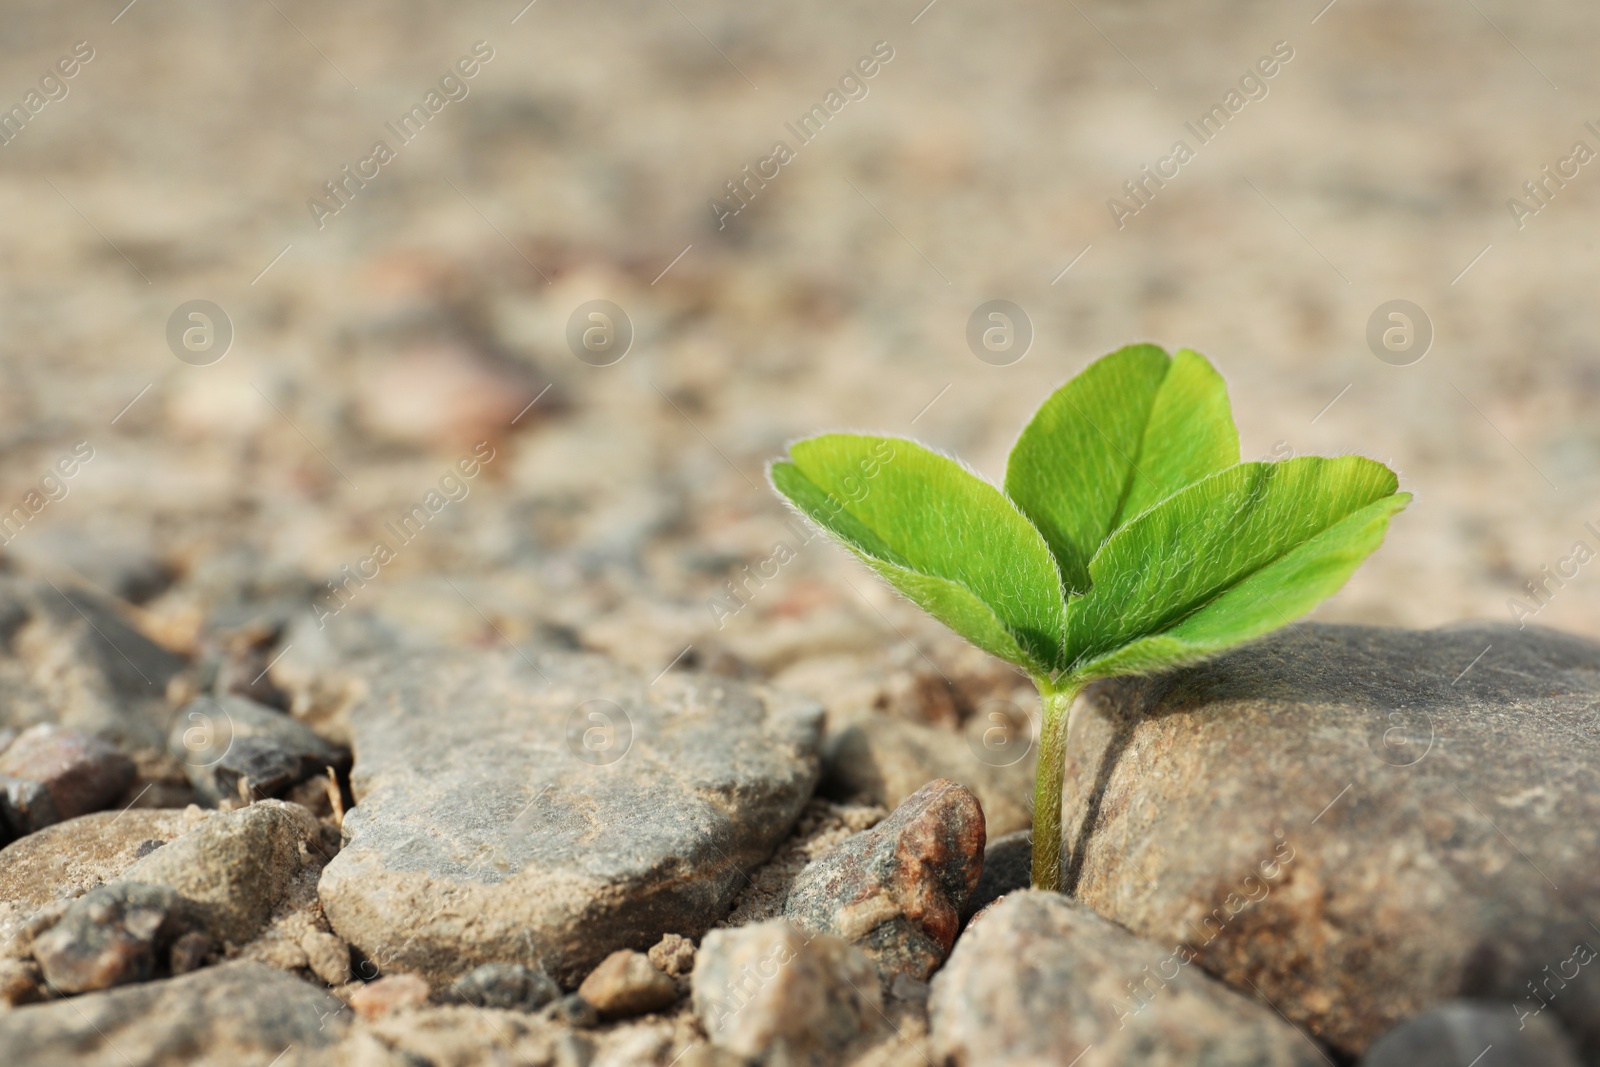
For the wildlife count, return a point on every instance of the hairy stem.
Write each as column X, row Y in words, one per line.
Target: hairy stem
column 1056, row 712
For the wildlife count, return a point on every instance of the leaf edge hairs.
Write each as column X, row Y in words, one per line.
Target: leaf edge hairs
column 1128, row 537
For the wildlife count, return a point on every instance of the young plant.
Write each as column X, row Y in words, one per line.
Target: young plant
column 1128, row 538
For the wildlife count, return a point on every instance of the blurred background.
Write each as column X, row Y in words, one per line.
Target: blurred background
column 394, row 313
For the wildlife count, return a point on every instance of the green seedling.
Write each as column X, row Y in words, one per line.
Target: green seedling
column 1128, row 538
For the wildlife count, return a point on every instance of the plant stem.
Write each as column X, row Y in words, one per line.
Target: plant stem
column 1056, row 712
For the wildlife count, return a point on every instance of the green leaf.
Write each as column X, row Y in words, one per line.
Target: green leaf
column 944, row 537
column 1133, row 428
column 1132, row 539
column 1189, row 436
column 1227, row 559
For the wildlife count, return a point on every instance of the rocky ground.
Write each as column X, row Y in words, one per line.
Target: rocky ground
column 387, row 678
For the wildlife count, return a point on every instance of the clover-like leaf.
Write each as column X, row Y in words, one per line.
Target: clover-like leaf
column 944, row 537
column 1132, row 429
column 1136, row 542
column 1245, row 551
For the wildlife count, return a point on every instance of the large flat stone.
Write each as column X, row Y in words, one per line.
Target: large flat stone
column 1040, row 979
column 1361, row 822
column 554, row 809
column 230, row 1015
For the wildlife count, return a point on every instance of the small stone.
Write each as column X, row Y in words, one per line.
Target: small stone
column 1465, row 1031
column 327, row 956
column 234, row 868
column 507, row 986
column 627, row 984
column 673, row 954
column 391, row 993
column 1038, row 978
column 1007, row 866
column 572, row 1010
column 189, row 952
column 896, row 891
column 772, row 990
column 236, row 1013
column 225, row 741
column 256, row 768
column 441, row 394
column 108, row 937
column 20, row 983
column 51, row 773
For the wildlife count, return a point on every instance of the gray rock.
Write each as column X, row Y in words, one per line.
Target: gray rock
column 235, row 1013
column 896, row 891
column 49, row 774
column 1007, row 866
column 110, row 936
column 256, row 768
column 66, row 860
column 235, row 868
column 223, row 741
column 1481, row 1033
column 67, row 656
column 773, row 991
column 1039, row 978
column 571, row 1010
column 507, row 986
column 883, row 759
column 627, row 984
column 1362, row 822
column 555, row 810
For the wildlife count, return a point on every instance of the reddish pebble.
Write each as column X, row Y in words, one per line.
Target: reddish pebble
column 389, row 994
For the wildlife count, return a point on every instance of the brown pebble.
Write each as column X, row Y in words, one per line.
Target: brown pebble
column 108, row 937
column 50, row 773
column 673, row 954
column 19, row 983
column 627, row 984
column 189, row 952
column 389, row 994
column 896, row 891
